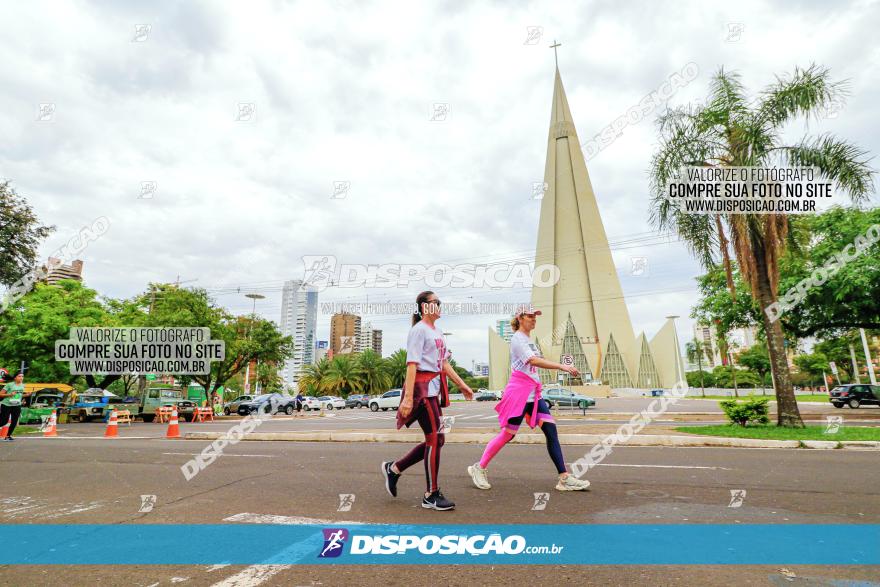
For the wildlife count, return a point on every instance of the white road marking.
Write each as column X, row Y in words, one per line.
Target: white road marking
column 213, row 568
column 291, row 520
column 257, row 574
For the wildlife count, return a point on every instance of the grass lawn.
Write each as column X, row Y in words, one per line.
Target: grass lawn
column 775, row 433
column 819, row 397
column 22, row 430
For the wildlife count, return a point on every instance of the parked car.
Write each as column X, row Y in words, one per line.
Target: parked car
column 39, row 405
column 854, row 395
column 330, row 402
column 484, row 395
column 564, row 397
column 357, row 400
column 268, row 403
column 311, row 403
column 389, row 399
column 96, row 404
column 232, row 407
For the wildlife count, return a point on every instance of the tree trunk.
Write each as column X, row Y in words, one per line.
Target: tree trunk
column 788, row 414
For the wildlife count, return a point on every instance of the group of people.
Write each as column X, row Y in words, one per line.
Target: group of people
column 426, row 393
column 10, row 404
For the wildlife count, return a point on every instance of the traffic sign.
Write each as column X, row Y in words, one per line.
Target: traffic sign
column 833, row 366
column 567, row 360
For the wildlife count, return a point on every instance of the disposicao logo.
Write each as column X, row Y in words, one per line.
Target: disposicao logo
column 334, row 541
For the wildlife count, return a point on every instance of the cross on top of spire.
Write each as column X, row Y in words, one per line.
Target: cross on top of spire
column 555, row 56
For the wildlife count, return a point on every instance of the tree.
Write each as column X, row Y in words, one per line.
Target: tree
column 312, row 376
column 374, row 372
column 848, row 300
column 696, row 351
column 20, row 235
column 269, row 378
column 729, row 131
column 397, row 367
column 30, row 327
column 246, row 338
column 344, row 376
column 695, row 378
column 757, row 360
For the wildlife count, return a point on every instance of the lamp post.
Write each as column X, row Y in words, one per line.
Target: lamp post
column 247, row 371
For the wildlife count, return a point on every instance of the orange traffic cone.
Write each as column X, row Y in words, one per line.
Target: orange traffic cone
column 112, row 430
column 173, row 427
column 5, row 430
column 50, row 429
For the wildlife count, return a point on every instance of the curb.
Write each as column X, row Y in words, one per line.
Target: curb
column 569, row 439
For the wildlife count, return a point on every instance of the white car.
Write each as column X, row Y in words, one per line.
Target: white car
column 311, row 403
column 332, row 403
column 389, row 399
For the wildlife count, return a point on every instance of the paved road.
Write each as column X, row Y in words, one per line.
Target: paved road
column 477, row 415
column 97, row 481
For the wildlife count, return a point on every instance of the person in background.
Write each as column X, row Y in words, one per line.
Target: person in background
column 299, row 401
column 10, row 404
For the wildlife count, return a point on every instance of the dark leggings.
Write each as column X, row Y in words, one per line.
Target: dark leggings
column 11, row 414
column 428, row 415
column 548, row 427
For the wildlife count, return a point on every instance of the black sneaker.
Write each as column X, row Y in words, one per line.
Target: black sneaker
column 8, row 439
column 390, row 478
column 436, row 501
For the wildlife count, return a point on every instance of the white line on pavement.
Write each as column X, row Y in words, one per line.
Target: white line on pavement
column 252, row 576
column 271, row 519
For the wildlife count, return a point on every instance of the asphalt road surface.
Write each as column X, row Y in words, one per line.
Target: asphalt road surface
column 84, row 480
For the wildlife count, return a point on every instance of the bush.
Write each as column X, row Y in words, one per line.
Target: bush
column 753, row 410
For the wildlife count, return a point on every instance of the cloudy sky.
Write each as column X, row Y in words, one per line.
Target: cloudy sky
column 345, row 92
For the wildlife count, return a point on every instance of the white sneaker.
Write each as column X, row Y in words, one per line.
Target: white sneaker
column 572, row 483
column 478, row 475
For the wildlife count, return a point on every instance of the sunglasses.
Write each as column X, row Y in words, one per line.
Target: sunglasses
column 533, row 316
column 437, row 302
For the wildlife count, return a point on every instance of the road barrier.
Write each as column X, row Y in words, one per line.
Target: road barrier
column 202, row 414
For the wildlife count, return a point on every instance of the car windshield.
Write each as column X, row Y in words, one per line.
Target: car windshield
column 324, row 398
column 169, row 393
column 838, row 389
column 262, row 398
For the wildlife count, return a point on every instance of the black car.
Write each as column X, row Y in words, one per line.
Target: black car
column 357, row 400
column 855, row 395
column 269, row 403
column 487, row 396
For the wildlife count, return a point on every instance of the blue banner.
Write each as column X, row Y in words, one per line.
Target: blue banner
column 600, row 544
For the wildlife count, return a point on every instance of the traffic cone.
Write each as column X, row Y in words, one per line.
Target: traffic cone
column 112, row 430
column 5, row 430
column 50, row 429
column 173, row 427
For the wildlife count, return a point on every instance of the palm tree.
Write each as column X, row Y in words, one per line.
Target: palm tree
column 730, row 131
column 312, row 376
column 397, row 367
column 374, row 372
column 344, row 376
column 695, row 350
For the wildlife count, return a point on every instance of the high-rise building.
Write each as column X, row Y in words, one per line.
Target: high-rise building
column 584, row 315
column 377, row 342
column 504, row 329
column 738, row 339
column 344, row 333
column 299, row 318
column 56, row 270
column 365, row 337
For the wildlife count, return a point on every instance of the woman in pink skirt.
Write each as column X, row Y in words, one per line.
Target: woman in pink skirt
column 522, row 399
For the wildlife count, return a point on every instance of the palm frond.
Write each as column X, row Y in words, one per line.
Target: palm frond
column 838, row 160
column 807, row 92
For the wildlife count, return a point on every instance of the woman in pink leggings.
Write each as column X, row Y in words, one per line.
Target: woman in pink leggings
column 521, row 399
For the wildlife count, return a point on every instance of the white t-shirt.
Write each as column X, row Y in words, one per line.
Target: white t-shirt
column 521, row 350
column 426, row 347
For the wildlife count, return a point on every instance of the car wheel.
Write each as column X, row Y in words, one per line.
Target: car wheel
column 83, row 417
column 374, row 407
column 288, row 410
column 837, row 405
column 854, row 403
column 148, row 418
column 329, row 406
column 227, row 412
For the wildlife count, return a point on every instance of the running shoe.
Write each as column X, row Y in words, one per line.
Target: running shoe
column 7, row 439
column 572, row 483
column 390, row 478
column 478, row 475
column 436, row 501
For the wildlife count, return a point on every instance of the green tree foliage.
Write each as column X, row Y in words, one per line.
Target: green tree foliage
column 20, row 235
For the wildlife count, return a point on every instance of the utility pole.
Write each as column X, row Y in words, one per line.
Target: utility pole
column 852, row 355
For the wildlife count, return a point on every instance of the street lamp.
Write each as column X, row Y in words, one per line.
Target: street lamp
column 247, row 371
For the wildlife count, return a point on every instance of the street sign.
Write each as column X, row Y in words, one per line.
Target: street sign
column 150, row 376
column 567, row 360
column 833, row 366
